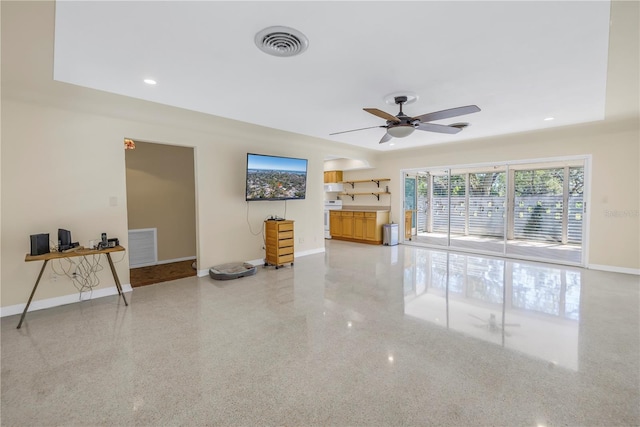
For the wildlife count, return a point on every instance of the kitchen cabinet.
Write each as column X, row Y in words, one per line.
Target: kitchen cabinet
column 358, row 226
column 335, row 223
column 332, row 176
column 365, row 226
column 373, row 226
column 347, row 223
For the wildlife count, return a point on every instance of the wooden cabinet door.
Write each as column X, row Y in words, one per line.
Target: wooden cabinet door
column 370, row 225
column 347, row 224
column 335, row 223
column 358, row 225
column 332, row 176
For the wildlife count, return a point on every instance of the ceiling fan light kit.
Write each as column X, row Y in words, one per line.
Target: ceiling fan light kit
column 400, row 131
column 401, row 125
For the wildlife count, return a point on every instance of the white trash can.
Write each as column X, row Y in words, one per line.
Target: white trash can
column 390, row 234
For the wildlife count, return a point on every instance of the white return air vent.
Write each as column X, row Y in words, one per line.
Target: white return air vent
column 143, row 247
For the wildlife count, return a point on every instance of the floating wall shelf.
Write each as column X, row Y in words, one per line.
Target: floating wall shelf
column 352, row 195
column 376, row 180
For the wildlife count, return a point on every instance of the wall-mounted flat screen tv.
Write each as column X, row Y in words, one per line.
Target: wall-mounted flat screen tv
column 275, row 178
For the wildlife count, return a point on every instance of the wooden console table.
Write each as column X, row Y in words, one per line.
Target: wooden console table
column 80, row 252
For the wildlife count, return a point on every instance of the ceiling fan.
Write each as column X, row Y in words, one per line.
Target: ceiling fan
column 401, row 125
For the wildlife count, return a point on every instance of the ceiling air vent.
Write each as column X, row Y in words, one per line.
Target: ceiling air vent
column 281, row 41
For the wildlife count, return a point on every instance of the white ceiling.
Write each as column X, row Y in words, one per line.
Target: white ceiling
column 520, row 62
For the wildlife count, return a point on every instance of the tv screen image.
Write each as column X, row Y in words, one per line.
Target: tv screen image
column 275, row 178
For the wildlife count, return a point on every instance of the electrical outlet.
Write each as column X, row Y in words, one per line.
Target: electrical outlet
column 300, row 239
column 53, row 277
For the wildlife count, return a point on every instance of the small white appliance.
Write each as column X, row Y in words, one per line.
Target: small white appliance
column 334, row 188
column 330, row 205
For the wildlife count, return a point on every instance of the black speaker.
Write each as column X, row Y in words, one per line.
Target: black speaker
column 64, row 239
column 39, row 244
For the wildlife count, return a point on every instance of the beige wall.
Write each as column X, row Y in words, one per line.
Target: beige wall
column 63, row 163
column 39, row 196
column 161, row 194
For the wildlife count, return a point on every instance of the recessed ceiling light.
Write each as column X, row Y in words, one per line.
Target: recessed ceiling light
column 391, row 144
column 548, row 119
column 150, row 82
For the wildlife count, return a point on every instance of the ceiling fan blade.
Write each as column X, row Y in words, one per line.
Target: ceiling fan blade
column 446, row 114
column 385, row 138
column 432, row 127
column 354, row 130
column 382, row 114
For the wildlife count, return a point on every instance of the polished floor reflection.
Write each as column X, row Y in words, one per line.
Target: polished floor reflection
column 360, row 335
column 526, row 249
column 526, row 307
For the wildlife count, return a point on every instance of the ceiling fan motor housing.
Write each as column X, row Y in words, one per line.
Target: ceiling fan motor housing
column 401, row 100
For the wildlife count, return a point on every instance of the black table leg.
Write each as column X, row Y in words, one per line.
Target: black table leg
column 115, row 278
column 32, row 293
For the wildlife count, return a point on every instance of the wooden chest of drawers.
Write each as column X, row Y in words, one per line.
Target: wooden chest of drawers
column 278, row 242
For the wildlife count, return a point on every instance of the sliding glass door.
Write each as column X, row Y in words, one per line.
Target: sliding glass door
column 548, row 212
column 533, row 211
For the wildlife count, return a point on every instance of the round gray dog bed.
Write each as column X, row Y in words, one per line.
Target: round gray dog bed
column 232, row 270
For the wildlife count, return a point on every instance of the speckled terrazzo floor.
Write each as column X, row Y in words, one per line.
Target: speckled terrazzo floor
column 361, row 335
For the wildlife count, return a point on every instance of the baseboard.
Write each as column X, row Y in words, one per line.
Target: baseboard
column 614, row 269
column 63, row 300
column 169, row 261
column 310, row 252
column 260, row 261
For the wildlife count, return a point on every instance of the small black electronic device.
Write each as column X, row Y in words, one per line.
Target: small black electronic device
column 64, row 239
column 39, row 244
column 108, row 243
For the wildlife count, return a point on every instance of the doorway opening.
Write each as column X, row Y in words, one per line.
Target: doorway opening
column 161, row 197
